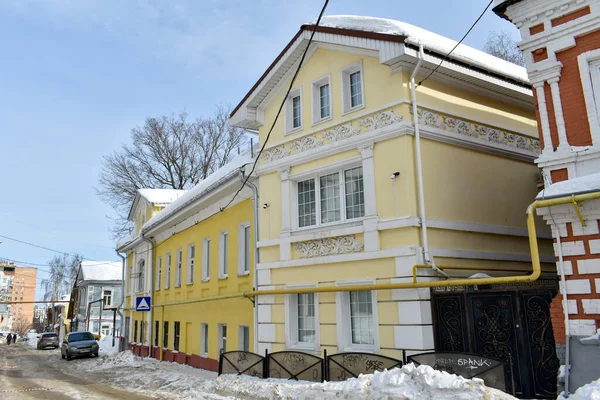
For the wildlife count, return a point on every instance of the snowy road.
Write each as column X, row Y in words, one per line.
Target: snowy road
column 26, row 373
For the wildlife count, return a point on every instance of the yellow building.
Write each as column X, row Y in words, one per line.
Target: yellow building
column 353, row 197
column 198, row 247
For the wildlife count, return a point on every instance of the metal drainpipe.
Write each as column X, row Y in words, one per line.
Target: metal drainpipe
column 256, row 256
column 563, row 279
column 151, row 312
column 423, row 219
column 121, row 315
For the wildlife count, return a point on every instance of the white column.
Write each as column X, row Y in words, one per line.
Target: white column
column 370, row 222
column 558, row 113
column 286, row 204
column 543, row 109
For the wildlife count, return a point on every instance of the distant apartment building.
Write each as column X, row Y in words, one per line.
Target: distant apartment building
column 17, row 284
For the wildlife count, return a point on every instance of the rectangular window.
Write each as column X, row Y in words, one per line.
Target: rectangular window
column 166, row 334
column 296, row 111
column 107, row 297
column 176, row 327
column 135, row 330
column 244, row 248
column 206, row 259
column 140, row 275
column 191, row 262
column 222, row 338
column 223, row 254
column 156, row 326
column 361, row 318
column 306, row 318
column 244, row 338
column 247, row 249
column 204, row 340
column 355, row 89
column 321, row 200
column 142, row 325
column 158, row 272
column 90, row 292
column 168, row 272
column 324, row 105
column 306, row 203
column 178, row 268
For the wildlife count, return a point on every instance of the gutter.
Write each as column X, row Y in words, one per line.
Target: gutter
column 119, row 307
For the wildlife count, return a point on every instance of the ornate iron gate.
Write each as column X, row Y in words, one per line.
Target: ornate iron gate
column 511, row 326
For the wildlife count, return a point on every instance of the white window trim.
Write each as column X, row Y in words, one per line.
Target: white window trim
column 241, row 338
column 291, row 321
column 206, row 259
column 316, row 100
column 344, row 327
column 221, row 337
column 345, row 80
column 242, row 249
column 141, row 285
column 159, row 266
column 288, row 113
column 178, row 267
column 108, row 289
column 343, row 220
column 191, row 264
column 168, row 263
column 203, row 351
column 589, row 63
column 222, row 255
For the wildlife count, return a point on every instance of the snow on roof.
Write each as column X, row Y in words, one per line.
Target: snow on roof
column 160, row 196
column 584, row 184
column 431, row 41
column 199, row 190
column 101, row 271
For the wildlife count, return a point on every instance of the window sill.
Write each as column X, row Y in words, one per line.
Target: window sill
column 177, row 286
column 323, row 120
column 223, row 277
column 189, row 283
column 205, row 279
column 292, row 131
column 308, row 347
column 327, row 227
column 245, row 273
column 204, row 355
column 353, row 109
column 361, row 348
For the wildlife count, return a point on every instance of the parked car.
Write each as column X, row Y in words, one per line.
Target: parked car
column 48, row 339
column 79, row 344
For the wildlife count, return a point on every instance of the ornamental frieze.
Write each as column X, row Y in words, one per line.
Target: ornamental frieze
column 328, row 246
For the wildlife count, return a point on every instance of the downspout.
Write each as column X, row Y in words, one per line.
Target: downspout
column 563, row 279
column 256, row 256
column 422, row 218
column 151, row 291
column 121, row 315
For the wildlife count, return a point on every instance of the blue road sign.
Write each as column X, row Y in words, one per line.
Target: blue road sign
column 142, row 303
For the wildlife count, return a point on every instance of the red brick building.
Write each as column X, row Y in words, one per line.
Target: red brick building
column 561, row 47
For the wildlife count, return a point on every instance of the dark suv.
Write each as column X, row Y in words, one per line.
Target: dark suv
column 77, row 344
column 49, row 339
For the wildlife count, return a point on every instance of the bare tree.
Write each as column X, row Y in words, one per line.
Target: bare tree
column 21, row 325
column 501, row 45
column 168, row 152
column 61, row 276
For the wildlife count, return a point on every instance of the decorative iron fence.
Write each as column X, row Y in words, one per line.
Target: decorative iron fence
column 295, row 365
column 242, row 363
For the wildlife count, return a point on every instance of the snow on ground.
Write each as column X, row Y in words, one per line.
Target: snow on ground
column 171, row 380
column 591, row 391
column 106, row 345
column 32, row 339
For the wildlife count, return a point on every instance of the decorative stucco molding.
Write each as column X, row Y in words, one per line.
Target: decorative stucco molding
column 274, row 153
column 328, row 246
column 341, row 132
column 305, row 143
column 379, row 120
column 479, row 132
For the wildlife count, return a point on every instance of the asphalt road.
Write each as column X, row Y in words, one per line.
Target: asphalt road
column 27, row 373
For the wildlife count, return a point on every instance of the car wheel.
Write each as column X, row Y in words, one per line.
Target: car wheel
column 96, row 355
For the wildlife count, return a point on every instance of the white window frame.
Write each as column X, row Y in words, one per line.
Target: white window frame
column 589, row 66
column 345, row 79
column 222, row 338
column 206, row 259
column 191, row 263
column 344, row 326
column 204, row 340
column 242, row 330
column 141, row 267
column 223, row 254
column 288, row 112
column 158, row 272
column 242, row 250
column 316, row 177
column 316, row 100
column 169, row 262
column 178, row 267
column 291, row 321
column 111, row 296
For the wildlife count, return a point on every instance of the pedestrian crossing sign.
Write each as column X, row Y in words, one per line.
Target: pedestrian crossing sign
column 142, row 303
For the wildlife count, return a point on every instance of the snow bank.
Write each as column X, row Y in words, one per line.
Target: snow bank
column 106, row 345
column 591, row 391
column 32, row 339
column 583, row 184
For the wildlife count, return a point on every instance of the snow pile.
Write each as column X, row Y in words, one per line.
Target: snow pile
column 32, row 339
column 591, row 391
column 101, row 270
column 430, row 41
column 160, row 196
column 583, row 184
column 106, row 345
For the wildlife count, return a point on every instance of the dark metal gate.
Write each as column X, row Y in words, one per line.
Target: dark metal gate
column 511, row 326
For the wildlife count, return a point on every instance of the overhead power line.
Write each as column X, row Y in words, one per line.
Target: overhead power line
column 457, row 44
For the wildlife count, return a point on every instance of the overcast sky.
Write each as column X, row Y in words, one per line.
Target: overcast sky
column 77, row 75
